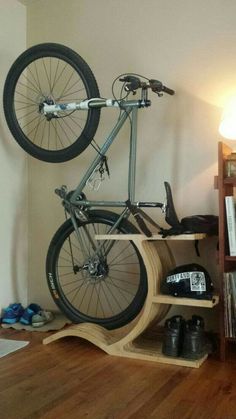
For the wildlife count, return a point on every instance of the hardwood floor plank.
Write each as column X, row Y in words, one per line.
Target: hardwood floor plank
column 73, row 379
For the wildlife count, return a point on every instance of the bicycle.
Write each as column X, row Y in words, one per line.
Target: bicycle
column 89, row 280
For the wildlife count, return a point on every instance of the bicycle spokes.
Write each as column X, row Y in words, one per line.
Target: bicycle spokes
column 103, row 283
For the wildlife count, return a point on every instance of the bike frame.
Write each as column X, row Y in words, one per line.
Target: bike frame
column 129, row 110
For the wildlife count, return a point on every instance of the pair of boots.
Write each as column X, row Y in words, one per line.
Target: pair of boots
column 184, row 338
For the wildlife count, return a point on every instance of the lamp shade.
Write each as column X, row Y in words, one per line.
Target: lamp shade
column 227, row 126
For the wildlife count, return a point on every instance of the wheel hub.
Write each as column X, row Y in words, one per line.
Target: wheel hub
column 96, row 268
column 47, row 100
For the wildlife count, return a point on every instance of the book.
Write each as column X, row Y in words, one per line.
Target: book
column 230, row 304
column 231, row 224
column 226, row 320
column 232, row 277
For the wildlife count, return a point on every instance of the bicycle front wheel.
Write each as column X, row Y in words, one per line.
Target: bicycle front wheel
column 50, row 74
column 107, row 287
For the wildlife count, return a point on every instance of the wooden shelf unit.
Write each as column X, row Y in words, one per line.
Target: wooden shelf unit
column 129, row 341
column 225, row 186
column 168, row 299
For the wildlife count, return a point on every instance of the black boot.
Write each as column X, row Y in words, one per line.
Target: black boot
column 173, row 336
column 194, row 343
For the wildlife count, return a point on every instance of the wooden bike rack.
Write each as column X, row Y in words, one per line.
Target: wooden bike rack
column 129, row 341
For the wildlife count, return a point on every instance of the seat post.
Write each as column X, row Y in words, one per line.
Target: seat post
column 132, row 155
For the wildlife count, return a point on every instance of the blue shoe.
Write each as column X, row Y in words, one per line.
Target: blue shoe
column 28, row 313
column 12, row 313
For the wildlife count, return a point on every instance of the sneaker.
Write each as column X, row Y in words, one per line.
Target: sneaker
column 12, row 313
column 43, row 317
column 28, row 313
column 173, row 336
column 194, row 344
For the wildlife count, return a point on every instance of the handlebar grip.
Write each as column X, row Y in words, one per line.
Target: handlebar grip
column 168, row 90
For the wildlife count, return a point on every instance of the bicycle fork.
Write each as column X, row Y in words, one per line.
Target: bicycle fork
column 100, row 249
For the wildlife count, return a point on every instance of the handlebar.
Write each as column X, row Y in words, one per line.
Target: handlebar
column 132, row 83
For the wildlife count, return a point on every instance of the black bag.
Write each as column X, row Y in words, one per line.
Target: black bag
column 207, row 224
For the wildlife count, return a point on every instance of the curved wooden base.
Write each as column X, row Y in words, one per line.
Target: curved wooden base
column 128, row 341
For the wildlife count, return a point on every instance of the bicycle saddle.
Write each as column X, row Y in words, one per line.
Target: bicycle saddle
column 171, row 216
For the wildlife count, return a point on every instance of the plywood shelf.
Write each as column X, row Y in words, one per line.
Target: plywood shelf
column 141, row 237
column 167, row 299
column 152, row 349
column 110, row 341
column 129, row 341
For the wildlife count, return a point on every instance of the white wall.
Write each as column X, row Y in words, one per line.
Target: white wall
column 190, row 46
column 13, row 170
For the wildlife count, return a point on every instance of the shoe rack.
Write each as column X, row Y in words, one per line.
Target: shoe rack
column 131, row 341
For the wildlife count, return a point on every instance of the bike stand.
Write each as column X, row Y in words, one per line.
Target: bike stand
column 130, row 341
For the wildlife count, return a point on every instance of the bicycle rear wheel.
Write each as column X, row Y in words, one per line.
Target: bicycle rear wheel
column 52, row 74
column 107, row 289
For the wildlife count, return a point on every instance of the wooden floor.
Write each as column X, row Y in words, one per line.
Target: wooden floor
column 71, row 378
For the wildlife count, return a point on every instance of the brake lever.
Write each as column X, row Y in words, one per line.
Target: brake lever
column 132, row 83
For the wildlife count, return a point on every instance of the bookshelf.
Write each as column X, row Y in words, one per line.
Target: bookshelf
column 227, row 263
